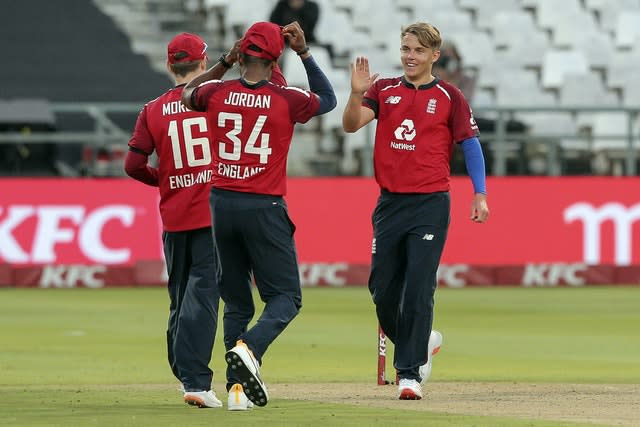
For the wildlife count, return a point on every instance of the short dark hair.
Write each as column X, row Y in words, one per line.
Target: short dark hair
column 183, row 68
column 250, row 59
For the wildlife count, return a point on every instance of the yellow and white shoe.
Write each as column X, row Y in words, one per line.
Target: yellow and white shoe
column 247, row 369
column 237, row 400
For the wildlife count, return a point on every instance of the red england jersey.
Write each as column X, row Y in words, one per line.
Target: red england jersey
column 416, row 132
column 181, row 140
column 251, row 127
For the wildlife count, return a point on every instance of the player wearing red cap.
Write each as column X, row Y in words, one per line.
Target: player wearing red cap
column 181, row 141
column 251, row 122
column 420, row 118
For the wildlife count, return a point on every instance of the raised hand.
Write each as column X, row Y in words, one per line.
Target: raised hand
column 232, row 55
column 295, row 36
column 361, row 80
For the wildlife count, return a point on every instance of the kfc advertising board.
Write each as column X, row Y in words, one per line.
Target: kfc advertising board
column 98, row 232
column 78, row 221
column 540, row 220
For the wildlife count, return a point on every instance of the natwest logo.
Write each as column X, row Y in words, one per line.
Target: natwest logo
column 592, row 219
column 61, row 224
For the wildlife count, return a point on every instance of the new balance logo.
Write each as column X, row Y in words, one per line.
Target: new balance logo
column 373, row 246
column 393, row 100
column 428, row 237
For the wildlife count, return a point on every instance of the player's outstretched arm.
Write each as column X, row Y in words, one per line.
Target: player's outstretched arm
column 355, row 115
column 318, row 81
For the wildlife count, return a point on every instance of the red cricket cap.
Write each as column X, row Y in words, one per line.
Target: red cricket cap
column 186, row 47
column 266, row 37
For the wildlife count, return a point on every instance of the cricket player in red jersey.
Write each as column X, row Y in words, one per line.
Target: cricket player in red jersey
column 251, row 122
column 181, row 141
column 420, row 120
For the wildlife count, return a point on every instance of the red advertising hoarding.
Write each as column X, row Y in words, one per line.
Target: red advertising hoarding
column 533, row 220
column 106, row 232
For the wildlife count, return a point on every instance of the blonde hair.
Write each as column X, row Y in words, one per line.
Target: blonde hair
column 427, row 34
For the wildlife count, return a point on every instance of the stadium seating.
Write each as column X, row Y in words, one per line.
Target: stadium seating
column 74, row 53
column 553, row 53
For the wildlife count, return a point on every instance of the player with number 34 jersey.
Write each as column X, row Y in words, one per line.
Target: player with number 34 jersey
column 253, row 127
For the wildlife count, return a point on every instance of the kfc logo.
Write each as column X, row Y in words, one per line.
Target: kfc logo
column 323, row 274
column 72, row 276
column 62, row 224
column 592, row 218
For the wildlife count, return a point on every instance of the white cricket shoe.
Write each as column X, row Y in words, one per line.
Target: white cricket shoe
column 247, row 370
column 435, row 342
column 409, row 389
column 237, row 400
column 202, row 399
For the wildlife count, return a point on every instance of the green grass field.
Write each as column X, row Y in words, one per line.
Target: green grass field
column 98, row 357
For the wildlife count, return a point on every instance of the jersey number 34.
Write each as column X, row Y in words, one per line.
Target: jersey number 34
column 229, row 150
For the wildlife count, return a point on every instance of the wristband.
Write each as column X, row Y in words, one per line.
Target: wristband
column 224, row 63
column 303, row 51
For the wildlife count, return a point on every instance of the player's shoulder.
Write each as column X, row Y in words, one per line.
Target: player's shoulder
column 452, row 91
column 288, row 91
column 387, row 83
column 174, row 92
column 285, row 88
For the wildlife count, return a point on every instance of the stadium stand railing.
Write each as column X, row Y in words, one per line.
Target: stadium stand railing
column 508, row 153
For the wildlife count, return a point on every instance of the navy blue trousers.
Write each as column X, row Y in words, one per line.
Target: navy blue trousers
column 192, row 265
column 410, row 231
column 254, row 237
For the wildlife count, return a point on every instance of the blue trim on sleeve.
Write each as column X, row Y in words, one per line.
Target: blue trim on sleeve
column 320, row 85
column 474, row 160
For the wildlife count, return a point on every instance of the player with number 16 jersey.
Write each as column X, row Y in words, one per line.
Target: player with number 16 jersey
column 180, row 139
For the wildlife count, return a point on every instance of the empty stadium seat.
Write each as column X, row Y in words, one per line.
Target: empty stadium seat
column 382, row 25
column 501, row 65
column 508, row 23
column 568, row 28
column 607, row 11
column 622, row 68
column 596, row 46
column 534, row 44
column 585, row 90
column 293, row 68
column 474, row 46
column 427, row 7
column 627, row 28
column 345, row 4
column 446, row 20
column 485, row 11
column 239, row 15
column 335, row 28
column 551, row 13
column 557, row 63
column 521, row 88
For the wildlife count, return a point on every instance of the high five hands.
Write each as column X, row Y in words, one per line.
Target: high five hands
column 361, row 80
